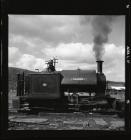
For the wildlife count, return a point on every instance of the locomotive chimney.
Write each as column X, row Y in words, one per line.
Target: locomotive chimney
column 99, row 66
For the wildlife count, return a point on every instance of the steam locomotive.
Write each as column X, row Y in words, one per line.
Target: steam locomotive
column 63, row 90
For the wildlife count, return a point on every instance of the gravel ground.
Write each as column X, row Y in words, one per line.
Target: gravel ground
column 65, row 121
column 62, row 121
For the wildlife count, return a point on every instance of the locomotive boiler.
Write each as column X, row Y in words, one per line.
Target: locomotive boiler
column 62, row 90
column 85, row 80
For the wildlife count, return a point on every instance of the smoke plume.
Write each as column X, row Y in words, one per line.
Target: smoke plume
column 101, row 29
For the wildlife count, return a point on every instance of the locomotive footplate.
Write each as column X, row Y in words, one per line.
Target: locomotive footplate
column 90, row 105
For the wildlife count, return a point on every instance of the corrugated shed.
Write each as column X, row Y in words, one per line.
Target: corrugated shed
column 79, row 77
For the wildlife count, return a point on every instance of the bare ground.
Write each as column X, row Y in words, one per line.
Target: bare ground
column 62, row 121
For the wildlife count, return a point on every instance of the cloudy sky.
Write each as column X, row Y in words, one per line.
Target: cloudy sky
column 76, row 40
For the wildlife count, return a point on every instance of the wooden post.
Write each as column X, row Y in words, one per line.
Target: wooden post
column 18, row 84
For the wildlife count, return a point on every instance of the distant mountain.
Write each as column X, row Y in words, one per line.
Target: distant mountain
column 114, row 83
column 12, row 75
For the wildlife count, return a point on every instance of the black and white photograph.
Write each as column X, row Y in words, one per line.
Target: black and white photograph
column 66, row 72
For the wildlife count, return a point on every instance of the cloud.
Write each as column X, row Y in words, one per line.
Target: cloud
column 27, row 45
column 114, row 62
column 14, row 55
column 114, row 54
column 34, row 39
column 30, row 62
column 52, row 29
column 71, row 51
column 25, row 61
column 73, row 56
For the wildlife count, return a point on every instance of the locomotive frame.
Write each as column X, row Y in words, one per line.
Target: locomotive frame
column 47, row 90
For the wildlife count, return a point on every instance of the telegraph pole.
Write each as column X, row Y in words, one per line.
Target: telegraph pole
column 55, row 61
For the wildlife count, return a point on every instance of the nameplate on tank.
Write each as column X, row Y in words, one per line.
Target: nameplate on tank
column 44, row 84
column 79, row 78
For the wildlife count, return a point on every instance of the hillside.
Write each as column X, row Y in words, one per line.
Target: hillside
column 115, row 84
column 13, row 77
